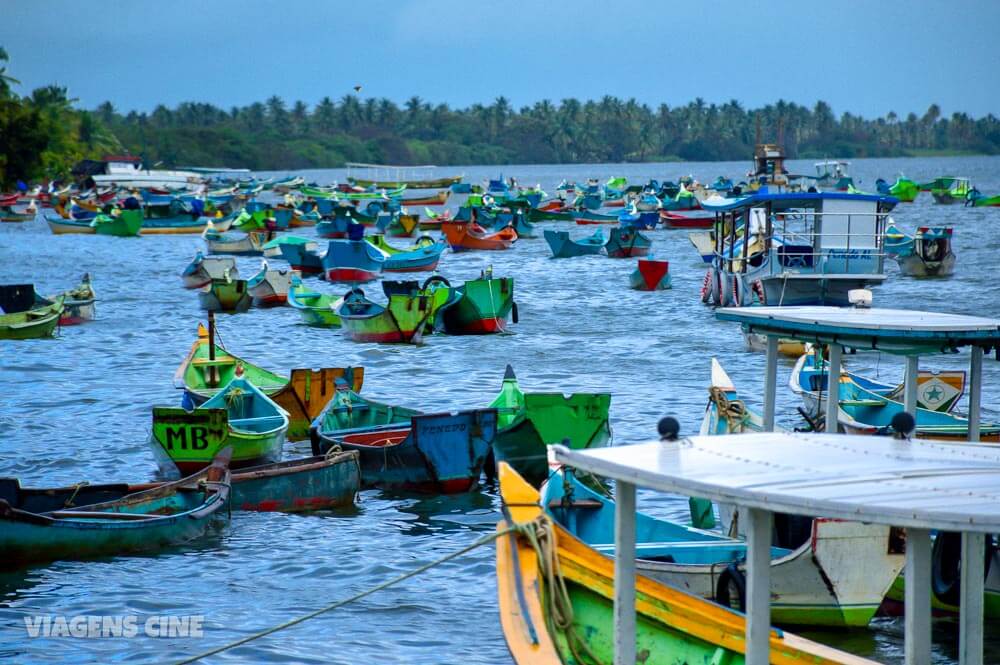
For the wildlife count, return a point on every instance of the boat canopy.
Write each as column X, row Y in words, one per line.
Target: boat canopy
column 899, row 331
column 786, row 201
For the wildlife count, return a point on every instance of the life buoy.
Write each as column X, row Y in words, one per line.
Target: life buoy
column 731, row 589
column 706, row 286
column 946, row 566
column 758, row 289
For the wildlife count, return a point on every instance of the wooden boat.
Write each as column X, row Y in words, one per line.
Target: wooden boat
column 704, row 244
column 590, row 218
column 904, row 189
column 246, row 244
column 302, row 257
column 61, row 226
column 272, row 248
column 269, row 287
column 869, row 410
column 484, row 306
column 146, row 521
column 433, row 183
column 225, row 295
column 401, row 321
column 625, row 243
column 240, row 415
column 320, row 193
column 836, row 578
column 422, row 256
column 303, row 394
column 462, row 236
column 563, row 247
column 402, row 449
column 677, row 221
column 650, row 275
column 203, row 269
column 976, row 199
column 950, row 189
column 927, row 253
column 183, row 224
column 528, row 422
column 438, row 199
column 25, row 314
column 522, row 226
column 352, row 261
column 399, row 225
column 79, row 304
column 9, row 214
column 316, row 309
column 563, row 574
column 126, row 223
column 299, row 485
column 294, row 486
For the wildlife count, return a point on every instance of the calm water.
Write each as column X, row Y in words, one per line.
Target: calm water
column 78, row 408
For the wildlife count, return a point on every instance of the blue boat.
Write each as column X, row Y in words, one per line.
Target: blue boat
column 307, row 261
column 563, row 247
column 803, row 248
column 402, row 449
column 524, row 228
column 335, row 223
column 352, row 261
column 421, row 257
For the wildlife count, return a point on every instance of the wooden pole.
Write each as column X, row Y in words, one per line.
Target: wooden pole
column 910, row 386
column 970, row 621
column 624, row 608
column 975, row 391
column 758, row 629
column 917, row 596
column 212, row 370
column 770, row 382
column 833, row 388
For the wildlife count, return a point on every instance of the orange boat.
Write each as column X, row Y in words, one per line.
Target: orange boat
column 462, row 236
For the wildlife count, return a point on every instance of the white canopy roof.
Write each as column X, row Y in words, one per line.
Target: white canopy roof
column 874, row 479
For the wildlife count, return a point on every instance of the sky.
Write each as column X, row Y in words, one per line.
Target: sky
column 867, row 58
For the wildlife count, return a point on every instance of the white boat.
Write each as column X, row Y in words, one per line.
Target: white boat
column 127, row 171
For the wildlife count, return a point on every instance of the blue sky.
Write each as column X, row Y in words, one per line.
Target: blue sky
column 864, row 57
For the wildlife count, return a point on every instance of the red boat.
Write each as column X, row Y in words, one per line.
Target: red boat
column 676, row 221
column 469, row 235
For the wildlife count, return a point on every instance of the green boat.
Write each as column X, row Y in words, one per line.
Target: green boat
column 240, row 415
column 27, row 315
column 320, row 193
column 904, row 189
column 484, row 306
column 316, row 309
column 303, row 395
column 349, row 411
column 126, row 224
column 951, row 190
column 537, row 215
column 528, row 422
column 145, row 521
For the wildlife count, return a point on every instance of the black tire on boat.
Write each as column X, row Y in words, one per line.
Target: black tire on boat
column 731, row 589
column 435, row 279
column 946, row 566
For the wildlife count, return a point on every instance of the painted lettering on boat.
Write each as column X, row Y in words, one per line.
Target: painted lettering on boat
column 442, row 429
column 198, row 439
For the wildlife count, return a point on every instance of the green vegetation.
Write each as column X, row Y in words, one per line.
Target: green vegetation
column 41, row 136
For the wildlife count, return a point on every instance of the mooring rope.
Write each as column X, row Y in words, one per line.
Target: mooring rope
column 340, row 603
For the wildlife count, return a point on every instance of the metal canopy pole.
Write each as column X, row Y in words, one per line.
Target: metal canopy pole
column 975, row 391
column 970, row 622
column 624, row 573
column 758, row 532
column 770, row 382
column 833, row 388
column 910, row 385
column 917, row 622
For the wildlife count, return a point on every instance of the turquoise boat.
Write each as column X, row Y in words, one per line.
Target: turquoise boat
column 142, row 522
column 301, row 485
column 563, row 247
column 316, row 309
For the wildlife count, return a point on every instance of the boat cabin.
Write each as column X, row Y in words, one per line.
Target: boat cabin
column 797, row 248
column 769, row 165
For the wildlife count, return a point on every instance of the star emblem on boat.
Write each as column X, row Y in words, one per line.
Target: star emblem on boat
column 933, row 395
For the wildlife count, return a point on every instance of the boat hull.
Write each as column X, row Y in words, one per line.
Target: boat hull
column 650, row 275
column 483, row 307
column 313, row 483
column 440, row 453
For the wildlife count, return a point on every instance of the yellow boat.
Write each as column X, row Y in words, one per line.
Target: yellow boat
column 556, row 603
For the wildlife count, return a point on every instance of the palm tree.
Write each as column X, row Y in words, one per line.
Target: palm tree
column 5, row 80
